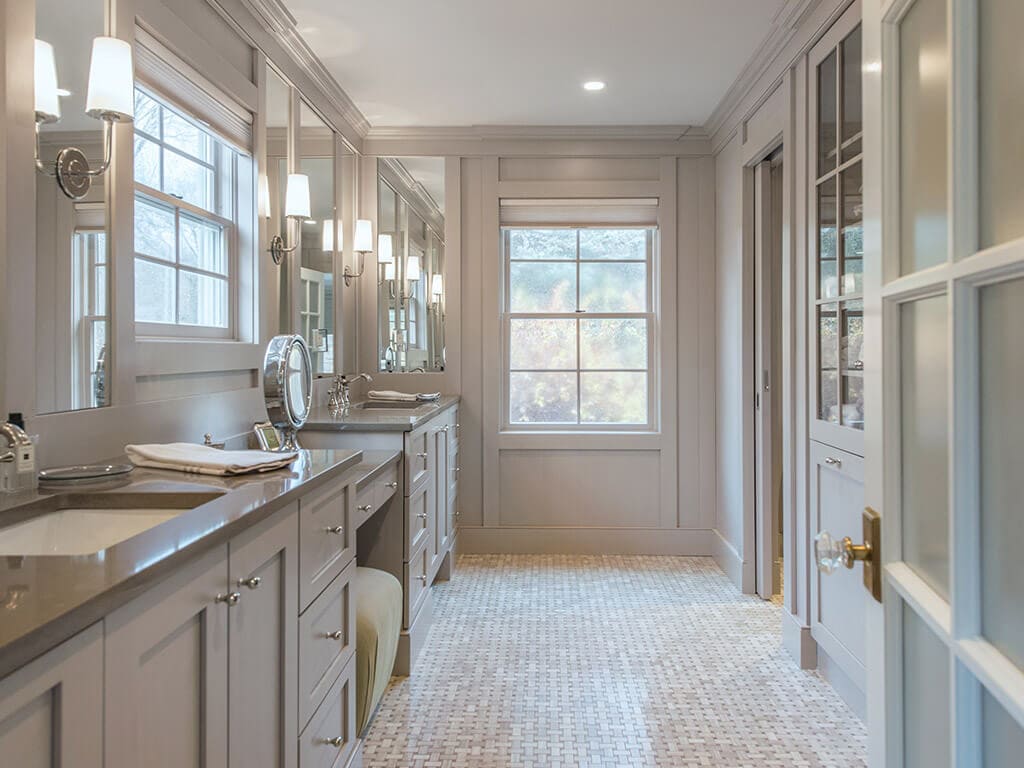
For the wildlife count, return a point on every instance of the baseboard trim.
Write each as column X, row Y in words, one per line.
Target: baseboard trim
column 729, row 560
column 797, row 640
column 847, row 689
column 585, row 541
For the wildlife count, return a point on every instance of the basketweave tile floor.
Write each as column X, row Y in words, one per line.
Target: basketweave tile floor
column 607, row 662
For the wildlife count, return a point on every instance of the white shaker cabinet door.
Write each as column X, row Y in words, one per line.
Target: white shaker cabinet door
column 166, row 672
column 262, row 644
column 51, row 710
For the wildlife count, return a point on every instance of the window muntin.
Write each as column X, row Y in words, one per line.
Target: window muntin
column 579, row 326
column 186, row 224
column 89, row 254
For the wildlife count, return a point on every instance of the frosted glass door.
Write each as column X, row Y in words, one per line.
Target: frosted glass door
column 946, row 427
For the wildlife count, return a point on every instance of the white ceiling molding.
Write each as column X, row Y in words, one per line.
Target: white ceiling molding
column 794, row 30
column 277, row 20
column 539, row 132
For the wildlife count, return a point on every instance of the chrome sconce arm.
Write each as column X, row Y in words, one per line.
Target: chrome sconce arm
column 278, row 250
column 71, row 167
column 349, row 275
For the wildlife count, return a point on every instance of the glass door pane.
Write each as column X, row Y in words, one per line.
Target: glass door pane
column 1002, row 480
column 924, row 81
column 926, row 693
column 853, row 125
column 828, row 364
column 853, row 229
column 827, row 108
column 1001, row 67
column 828, row 254
column 924, row 371
column 1002, row 737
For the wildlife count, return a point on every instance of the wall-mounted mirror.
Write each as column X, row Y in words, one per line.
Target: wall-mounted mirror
column 411, row 291
column 278, row 115
column 72, row 275
column 320, row 236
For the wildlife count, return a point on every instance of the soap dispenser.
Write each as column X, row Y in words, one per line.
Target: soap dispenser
column 18, row 462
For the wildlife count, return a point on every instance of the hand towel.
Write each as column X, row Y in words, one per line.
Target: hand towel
column 204, row 460
column 390, row 394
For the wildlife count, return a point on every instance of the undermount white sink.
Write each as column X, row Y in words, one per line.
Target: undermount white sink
column 85, row 529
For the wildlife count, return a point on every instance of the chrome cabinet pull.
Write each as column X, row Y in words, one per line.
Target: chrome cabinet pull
column 337, row 741
column 832, row 461
column 365, row 507
column 392, row 486
column 421, row 455
column 422, row 578
column 422, row 515
column 335, row 635
column 252, row 582
column 230, row 599
column 336, row 529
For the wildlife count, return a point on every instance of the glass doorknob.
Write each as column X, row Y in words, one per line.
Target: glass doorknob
column 829, row 554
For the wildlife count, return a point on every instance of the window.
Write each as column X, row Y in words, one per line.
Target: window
column 186, row 223
column 89, row 256
column 578, row 327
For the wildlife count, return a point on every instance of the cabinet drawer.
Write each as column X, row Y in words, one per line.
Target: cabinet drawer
column 366, row 502
column 386, row 485
column 326, row 539
column 416, row 574
column 417, row 524
column 330, row 737
column 417, row 458
column 326, row 641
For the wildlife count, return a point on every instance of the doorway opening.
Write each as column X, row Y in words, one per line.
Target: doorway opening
column 768, row 440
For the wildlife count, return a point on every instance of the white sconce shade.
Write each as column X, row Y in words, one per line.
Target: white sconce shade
column 47, row 101
column 264, row 196
column 437, row 285
column 296, row 196
column 385, row 253
column 412, row 268
column 111, row 80
column 363, row 242
column 389, row 270
column 328, row 235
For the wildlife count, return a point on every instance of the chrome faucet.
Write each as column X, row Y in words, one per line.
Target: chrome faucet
column 338, row 395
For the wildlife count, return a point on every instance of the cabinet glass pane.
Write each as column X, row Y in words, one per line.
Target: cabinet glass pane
column 828, row 364
column 828, row 271
column 851, row 353
column 1001, row 149
column 852, row 105
column 827, row 103
column 1002, row 737
column 853, row 229
column 924, row 368
column 1002, row 476
column 924, row 82
column 926, row 726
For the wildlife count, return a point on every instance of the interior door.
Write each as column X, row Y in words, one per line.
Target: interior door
column 944, row 292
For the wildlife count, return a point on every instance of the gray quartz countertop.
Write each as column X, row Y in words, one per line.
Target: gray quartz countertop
column 358, row 419
column 46, row 599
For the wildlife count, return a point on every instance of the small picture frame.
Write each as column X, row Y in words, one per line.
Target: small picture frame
column 267, row 436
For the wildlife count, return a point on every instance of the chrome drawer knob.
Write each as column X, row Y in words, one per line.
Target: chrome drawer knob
column 422, row 515
column 832, row 461
column 422, row 578
column 421, row 455
column 230, row 599
column 365, row 507
column 335, row 635
column 336, row 529
column 252, row 582
column 337, row 741
column 392, row 485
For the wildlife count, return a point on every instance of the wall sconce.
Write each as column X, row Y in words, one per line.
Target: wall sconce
column 110, row 98
column 437, row 287
column 412, row 268
column 362, row 244
column 296, row 206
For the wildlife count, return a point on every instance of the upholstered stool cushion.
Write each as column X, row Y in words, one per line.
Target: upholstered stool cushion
column 378, row 625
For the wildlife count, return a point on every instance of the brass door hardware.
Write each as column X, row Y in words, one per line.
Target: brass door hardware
column 830, row 554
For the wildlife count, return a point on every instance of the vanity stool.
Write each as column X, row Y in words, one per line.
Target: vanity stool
column 378, row 625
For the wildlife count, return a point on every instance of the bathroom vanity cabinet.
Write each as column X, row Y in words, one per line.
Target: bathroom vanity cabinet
column 242, row 656
column 416, row 539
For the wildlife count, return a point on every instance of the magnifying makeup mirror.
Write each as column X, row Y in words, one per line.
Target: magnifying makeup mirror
column 288, row 386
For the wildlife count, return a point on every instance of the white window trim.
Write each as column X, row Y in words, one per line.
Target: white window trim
column 651, row 316
column 150, row 331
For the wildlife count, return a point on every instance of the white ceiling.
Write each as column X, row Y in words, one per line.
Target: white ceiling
column 522, row 62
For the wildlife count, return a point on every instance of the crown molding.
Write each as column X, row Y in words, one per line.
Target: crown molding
column 414, row 193
column 278, row 21
column 774, row 53
column 538, row 133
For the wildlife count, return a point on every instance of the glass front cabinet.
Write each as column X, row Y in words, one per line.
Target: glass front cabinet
column 836, row 307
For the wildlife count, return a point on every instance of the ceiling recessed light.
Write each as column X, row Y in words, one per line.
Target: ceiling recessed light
column 593, row 85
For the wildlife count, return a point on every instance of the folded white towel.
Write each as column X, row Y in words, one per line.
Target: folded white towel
column 390, row 394
column 202, row 459
column 402, row 397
